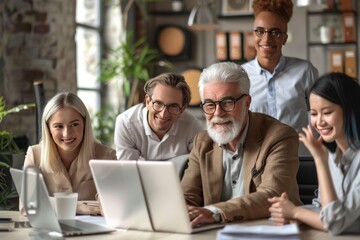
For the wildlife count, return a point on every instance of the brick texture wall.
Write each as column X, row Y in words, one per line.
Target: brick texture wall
column 37, row 42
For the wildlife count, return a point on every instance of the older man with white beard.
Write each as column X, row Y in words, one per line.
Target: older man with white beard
column 242, row 159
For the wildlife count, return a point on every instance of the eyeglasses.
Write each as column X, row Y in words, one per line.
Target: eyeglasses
column 227, row 105
column 172, row 108
column 275, row 33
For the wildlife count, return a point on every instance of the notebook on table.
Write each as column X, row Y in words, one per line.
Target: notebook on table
column 156, row 188
column 44, row 218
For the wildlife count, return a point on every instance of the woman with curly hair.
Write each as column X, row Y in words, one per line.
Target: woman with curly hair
column 279, row 84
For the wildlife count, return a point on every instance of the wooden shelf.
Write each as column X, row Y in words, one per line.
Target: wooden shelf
column 331, row 56
column 330, row 12
column 169, row 13
column 248, row 15
column 331, row 43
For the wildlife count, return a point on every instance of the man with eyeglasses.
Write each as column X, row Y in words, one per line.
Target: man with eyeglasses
column 279, row 85
column 159, row 128
column 242, row 159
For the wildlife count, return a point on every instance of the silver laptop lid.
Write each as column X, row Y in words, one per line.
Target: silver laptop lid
column 36, row 201
column 121, row 194
column 33, row 193
column 164, row 196
column 17, row 176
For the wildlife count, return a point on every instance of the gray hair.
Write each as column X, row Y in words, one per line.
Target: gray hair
column 225, row 72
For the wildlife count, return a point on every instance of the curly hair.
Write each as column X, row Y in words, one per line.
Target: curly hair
column 283, row 8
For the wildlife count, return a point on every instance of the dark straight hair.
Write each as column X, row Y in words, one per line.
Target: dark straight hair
column 344, row 91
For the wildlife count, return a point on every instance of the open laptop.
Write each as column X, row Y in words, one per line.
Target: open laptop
column 165, row 198
column 40, row 212
column 121, row 194
column 157, row 187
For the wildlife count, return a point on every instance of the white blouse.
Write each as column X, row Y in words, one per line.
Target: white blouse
column 343, row 215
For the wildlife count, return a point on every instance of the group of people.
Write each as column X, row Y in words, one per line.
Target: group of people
column 244, row 165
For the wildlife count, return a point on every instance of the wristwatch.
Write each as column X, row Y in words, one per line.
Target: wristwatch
column 217, row 217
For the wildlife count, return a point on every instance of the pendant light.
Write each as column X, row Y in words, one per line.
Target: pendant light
column 202, row 17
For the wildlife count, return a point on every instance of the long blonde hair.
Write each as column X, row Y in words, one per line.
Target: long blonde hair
column 49, row 155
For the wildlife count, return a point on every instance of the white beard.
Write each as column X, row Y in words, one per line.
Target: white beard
column 223, row 134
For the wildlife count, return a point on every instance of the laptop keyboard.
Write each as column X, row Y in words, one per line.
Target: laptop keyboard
column 68, row 228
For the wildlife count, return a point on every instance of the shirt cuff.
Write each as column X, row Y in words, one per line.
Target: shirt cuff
column 216, row 213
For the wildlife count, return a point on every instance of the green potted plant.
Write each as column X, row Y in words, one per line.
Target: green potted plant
column 128, row 66
column 8, row 149
column 104, row 125
column 131, row 61
column 133, row 58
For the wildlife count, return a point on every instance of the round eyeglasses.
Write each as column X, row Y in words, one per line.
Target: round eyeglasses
column 275, row 33
column 171, row 108
column 227, row 105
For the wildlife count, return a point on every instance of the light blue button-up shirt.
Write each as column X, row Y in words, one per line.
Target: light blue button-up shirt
column 284, row 93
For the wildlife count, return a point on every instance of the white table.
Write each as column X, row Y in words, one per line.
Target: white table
column 27, row 233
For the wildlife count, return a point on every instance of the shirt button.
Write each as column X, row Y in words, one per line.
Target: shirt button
column 234, row 158
column 234, row 182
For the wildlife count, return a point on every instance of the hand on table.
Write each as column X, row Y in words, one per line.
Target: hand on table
column 281, row 210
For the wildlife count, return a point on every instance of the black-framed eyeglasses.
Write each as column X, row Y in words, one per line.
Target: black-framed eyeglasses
column 171, row 108
column 227, row 105
column 275, row 33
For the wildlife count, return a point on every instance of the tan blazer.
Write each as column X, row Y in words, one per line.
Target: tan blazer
column 270, row 163
column 77, row 179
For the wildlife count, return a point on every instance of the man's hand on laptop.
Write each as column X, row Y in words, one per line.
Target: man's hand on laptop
column 200, row 216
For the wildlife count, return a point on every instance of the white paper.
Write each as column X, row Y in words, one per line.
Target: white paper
column 289, row 231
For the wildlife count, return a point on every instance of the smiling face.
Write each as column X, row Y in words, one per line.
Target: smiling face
column 161, row 121
column 327, row 119
column 269, row 47
column 226, row 127
column 67, row 130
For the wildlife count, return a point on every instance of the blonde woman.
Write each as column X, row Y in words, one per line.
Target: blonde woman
column 66, row 146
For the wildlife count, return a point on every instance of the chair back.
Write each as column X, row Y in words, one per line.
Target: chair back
column 307, row 179
column 180, row 163
column 40, row 104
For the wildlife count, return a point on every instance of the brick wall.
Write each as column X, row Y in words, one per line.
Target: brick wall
column 37, row 42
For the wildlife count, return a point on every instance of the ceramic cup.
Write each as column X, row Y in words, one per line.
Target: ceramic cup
column 65, row 205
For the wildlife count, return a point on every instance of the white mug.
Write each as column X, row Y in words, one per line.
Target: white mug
column 65, row 205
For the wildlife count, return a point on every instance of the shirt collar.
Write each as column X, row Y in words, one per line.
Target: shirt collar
column 278, row 68
column 147, row 128
column 343, row 158
column 348, row 156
